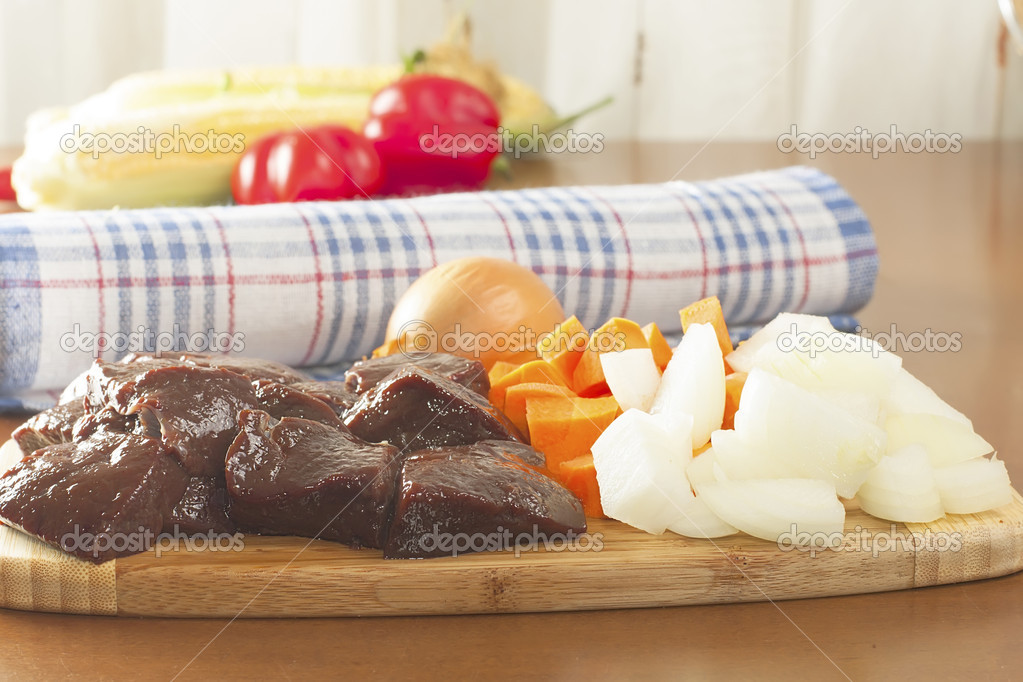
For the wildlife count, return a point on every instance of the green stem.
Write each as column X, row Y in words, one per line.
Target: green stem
column 572, row 118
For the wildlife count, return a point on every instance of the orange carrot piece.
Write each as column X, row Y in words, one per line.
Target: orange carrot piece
column 563, row 428
column 708, row 310
column 565, row 345
column 579, row 476
column 733, row 390
column 389, row 347
column 588, row 378
column 614, row 335
column 658, row 344
column 534, row 371
column 500, row 369
column 516, row 396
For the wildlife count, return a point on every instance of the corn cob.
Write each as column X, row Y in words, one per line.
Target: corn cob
column 155, row 88
column 58, row 171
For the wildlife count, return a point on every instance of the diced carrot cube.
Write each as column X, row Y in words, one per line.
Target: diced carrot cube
column 389, row 347
column 708, row 310
column 563, row 428
column 516, row 396
column 565, row 345
column 614, row 335
column 733, row 391
column 500, row 369
column 658, row 344
column 534, row 371
column 579, row 476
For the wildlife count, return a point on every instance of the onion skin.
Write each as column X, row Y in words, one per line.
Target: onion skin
column 465, row 302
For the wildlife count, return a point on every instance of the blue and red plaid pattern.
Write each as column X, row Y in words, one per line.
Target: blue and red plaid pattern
column 313, row 284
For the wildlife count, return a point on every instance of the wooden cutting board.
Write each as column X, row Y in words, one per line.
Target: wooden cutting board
column 286, row 577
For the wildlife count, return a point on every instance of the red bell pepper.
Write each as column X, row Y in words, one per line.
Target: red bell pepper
column 433, row 134
column 6, row 190
column 314, row 164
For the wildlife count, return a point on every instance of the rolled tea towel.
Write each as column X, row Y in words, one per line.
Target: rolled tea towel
column 314, row 283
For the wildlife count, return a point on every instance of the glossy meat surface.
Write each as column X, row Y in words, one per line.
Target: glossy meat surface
column 333, row 393
column 110, row 384
column 193, row 410
column 202, row 508
column 414, row 408
column 509, row 450
column 300, row 477
column 91, row 498
column 253, row 368
column 366, row 374
column 49, row 427
column 446, row 496
column 280, row 401
column 177, row 444
column 107, row 419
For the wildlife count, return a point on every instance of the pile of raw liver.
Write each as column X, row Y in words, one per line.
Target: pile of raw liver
column 197, row 444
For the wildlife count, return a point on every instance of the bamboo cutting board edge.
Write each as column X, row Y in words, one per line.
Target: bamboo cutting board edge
column 295, row 577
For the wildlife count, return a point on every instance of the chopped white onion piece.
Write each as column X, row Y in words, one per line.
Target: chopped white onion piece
column 640, row 463
column 947, row 441
column 772, row 509
column 695, row 519
column 694, row 383
column 633, row 377
column 837, row 361
column 809, row 352
column 902, row 488
column 909, row 395
column 797, row 434
column 738, row 458
column 866, row 406
column 703, row 468
column 974, row 486
column 763, row 346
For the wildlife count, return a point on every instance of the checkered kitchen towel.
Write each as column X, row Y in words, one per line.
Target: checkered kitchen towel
column 314, row 283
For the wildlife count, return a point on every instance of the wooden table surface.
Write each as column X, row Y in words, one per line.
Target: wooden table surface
column 950, row 233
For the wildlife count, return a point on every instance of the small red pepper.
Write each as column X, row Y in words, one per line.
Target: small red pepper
column 6, row 190
column 433, row 134
column 323, row 163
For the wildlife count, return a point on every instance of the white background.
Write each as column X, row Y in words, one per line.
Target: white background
column 682, row 69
